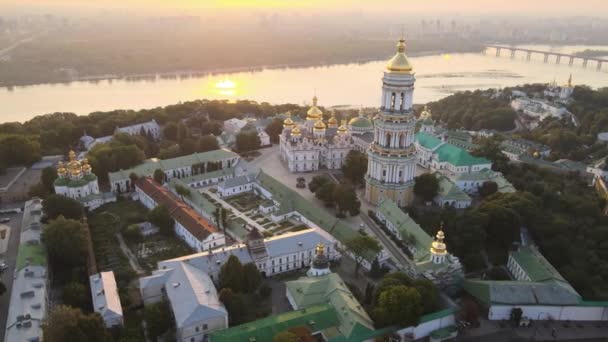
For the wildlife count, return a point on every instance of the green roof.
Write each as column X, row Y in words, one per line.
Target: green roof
column 315, row 318
column 428, row 141
column 31, row 255
column 535, row 265
column 361, row 122
column 458, row 156
column 330, row 288
column 75, row 183
column 148, row 167
column 450, row 191
column 513, row 292
column 407, row 227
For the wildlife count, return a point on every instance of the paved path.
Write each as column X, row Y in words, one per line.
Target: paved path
column 10, row 257
column 235, row 211
column 132, row 259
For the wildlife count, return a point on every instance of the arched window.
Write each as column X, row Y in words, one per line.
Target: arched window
column 388, row 140
column 402, row 102
column 393, row 100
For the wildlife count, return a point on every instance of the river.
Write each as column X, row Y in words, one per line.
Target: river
column 345, row 84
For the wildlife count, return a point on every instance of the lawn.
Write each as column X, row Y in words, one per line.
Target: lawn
column 157, row 247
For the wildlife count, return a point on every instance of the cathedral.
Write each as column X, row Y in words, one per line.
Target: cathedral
column 76, row 180
column 314, row 144
column 392, row 154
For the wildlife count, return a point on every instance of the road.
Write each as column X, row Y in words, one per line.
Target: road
column 10, row 257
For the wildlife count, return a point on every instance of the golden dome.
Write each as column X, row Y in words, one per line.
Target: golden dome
column 332, row 122
column 296, row 131
column 319, row 124
column 288, row 122
column 61, row 171
column 320, row 249
column 343, row 129
column 438, row 246
column 399, row 63
column 314, row 113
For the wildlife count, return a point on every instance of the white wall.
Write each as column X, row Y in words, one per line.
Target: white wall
column 426, row 328
column 545, row 312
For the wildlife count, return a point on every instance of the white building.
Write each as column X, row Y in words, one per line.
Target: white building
column 195, row 230
column 234, row 125
column 538, row 290
column 29, row 295
column 105, row 299
column 264, row 137
column 76, row 180
column 315, row 144
column 392, row 154
column 150, row 128
column 196, row 170
column 193, row 299
column 274, row 255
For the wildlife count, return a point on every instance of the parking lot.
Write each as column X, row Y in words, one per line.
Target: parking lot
column 10, row 258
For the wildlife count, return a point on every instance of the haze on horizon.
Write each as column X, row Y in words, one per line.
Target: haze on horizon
column 594, row 8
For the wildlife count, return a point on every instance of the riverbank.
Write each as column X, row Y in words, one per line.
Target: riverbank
column 186, row 74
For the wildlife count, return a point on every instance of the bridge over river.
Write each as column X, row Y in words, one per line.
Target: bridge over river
column 546, row 55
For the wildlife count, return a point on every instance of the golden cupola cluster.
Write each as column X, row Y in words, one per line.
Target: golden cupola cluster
column 74, row 168
column 400, row 63
column 320, row 249
column 319, row 125
column 438, row 247
column 314, row 113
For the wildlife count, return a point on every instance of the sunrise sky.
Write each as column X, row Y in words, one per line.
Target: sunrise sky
column 523, row 7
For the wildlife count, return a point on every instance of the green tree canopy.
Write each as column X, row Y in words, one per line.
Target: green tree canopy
column 66, row 242
column 274, row 129
column 346, row 199
column 355, row 166
column 65, row 323
column 161, row 217
column 426, row 186
column 247, row 141
column 360, row 247
column 251, row 278
column 159, row 176
column 317, row 182
column 207, row 143
column 158, row 318
column 49, row 174
column 56, row 205
column 76, row 295
column 231, row 275
column 170, row 131
column 398, row 305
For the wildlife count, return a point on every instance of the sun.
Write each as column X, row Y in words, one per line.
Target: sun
column 225, row 84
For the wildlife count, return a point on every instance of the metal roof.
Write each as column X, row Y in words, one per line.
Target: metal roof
column 104, row 294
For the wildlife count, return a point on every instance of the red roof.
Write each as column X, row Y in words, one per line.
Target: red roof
column 197, row 225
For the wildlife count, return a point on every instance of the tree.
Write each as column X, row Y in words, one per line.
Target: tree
column 346, row 200
column 251, row 278
column 247, row 141
column 274, row 129
column 132, row 233
column 207, row 143
column 161, row 217
column 19, row 150
column 170, row 131
column 133, row 177
column 515, row 316
column 182, row 191
column 488, row 188
column 360, row 247
column 65, row 241
column 355, row 166
column 231, row 275
column 220, row 214
column 317, row 182
column 158, row 318
column 122, row 153
column 285, row 336
column 398, row 305
column 49, row 174
column 426, row 186
column 77, row 295
column 235, row 305
column 183, row 132
column 326, row 193
column 59, row 205
column 159, row 176
column 65, row 323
